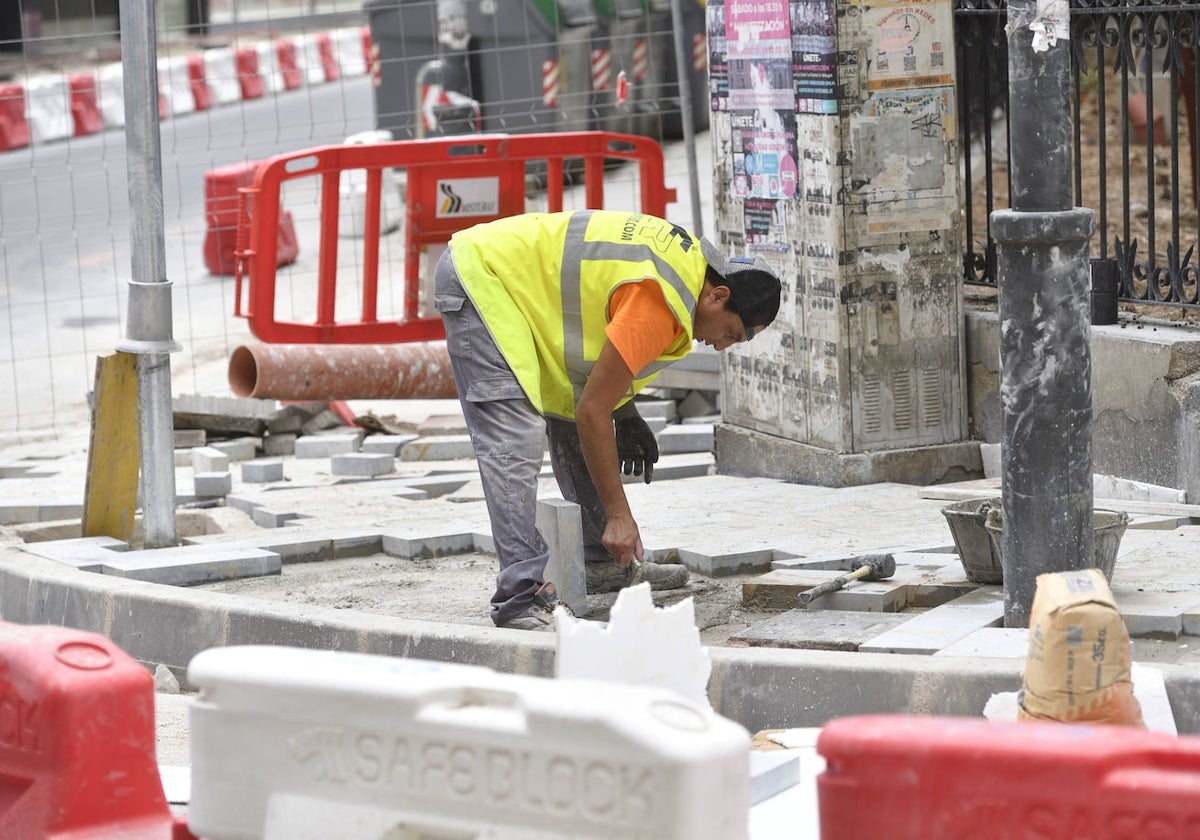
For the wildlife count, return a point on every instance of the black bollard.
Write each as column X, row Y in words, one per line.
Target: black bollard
column 1045, row 355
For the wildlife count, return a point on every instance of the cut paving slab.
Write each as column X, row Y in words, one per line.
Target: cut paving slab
column 818, row 629
column 929, row 632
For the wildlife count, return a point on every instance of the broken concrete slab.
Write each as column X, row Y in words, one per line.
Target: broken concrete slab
column 817, row 630
column 191, row 564
column 929, row 632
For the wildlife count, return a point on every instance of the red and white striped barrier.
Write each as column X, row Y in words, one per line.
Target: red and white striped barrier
column 699, row 52
column 601, row 69
column 52, row 107
column 550, row 84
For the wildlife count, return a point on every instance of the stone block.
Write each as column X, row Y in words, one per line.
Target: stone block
column 362, row 463
column 656, row 424
column 730, row 563
column 207, row 459
column 562, row 527
column 410, row 544
column 183, row 457
column 695, row 405
column 663, row 409
column 190, row 438
column 695, row 437
column 438, row 448
column 88, row 554
column 1156, row 613
column 208, row 485
column 244, row 504
column 325, row 446
column 268, row 518
column 385, row 444
column 241, row 449
column 931, row 631
column 262, row 471
column 320, row 421
column 290, row 418
column 669, row 467
column 819, row 630
column 279, row 444
column 192, row 564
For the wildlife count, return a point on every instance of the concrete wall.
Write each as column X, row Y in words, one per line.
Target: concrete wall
column 1145, row 396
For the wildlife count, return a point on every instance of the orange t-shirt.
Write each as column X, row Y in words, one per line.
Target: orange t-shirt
column 641, row 325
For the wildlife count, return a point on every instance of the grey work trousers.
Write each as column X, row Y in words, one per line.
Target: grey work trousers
column 508, row 435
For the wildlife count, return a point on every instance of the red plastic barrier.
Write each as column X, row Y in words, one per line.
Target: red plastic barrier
column 14, row 127
column 251, row 81
column 85, row 105
column 439, row 171
column 293, row 76
column 929, row 778
column 329, row 62
column 221, row 194
column 77, row 739
column 198, row 82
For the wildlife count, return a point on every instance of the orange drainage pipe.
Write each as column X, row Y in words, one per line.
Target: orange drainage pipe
column 412, row 370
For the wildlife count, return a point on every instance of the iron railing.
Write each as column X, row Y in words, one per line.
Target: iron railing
column 1135, row 144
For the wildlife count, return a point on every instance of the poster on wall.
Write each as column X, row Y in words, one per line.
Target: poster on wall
column 910, row 43
column 762, row 226
column 718, row 57
column 814, row 56
column 761, row 99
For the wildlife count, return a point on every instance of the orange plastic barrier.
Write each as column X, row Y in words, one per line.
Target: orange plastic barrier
column 198, row 82
column 293, row 76
column 77, row 752
column 221, row 188
column 85, row 105
column 14, row 128
column 493, row 166
column 929, row 778
column 251, row 81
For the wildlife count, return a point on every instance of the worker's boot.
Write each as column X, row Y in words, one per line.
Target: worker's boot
column 609, row 577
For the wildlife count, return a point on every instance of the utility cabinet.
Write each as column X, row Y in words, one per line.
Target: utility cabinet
column 835, row 139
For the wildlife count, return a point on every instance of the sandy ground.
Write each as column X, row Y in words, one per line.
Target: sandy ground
column 457, row 588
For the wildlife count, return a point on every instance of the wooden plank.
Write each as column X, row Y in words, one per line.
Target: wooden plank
column 955, row 493
column 114, row 451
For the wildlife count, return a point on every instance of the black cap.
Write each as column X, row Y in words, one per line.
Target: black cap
column 754, row 288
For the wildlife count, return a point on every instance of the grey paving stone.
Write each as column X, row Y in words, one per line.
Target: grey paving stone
column 243, row 503
column 87, row 554
column 269, row 518
column 362, row 463
column 262, row 471
column 656, row 424
column 276, row 445
column 780, row 588
column 561, row 526
column 183, row 457
column 191, row 564
column 442, row 424
column 1191, row 621
column 721, row 565
column 239, row 449
column 486, row 544
column 208, row 459
column 697, row 405
column 663, row 409
column 386, row 444
column 929, row 632
column 671, row 467
column 319, row 422
column 190, row 438
column 212, row 484
column 438, row 448
column 991, row 643
column 290, row 418
column 1156, row 613
column 325, row 446
column 817, row 630
column 408, row 544
column 695, row 437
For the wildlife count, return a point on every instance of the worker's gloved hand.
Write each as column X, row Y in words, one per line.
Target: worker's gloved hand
column 636, row 447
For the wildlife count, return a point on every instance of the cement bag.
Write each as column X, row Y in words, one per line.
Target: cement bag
column 1077, row 668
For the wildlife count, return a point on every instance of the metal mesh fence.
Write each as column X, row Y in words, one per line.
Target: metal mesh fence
column 240, row 82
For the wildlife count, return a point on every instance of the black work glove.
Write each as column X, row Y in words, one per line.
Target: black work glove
column 636, row 447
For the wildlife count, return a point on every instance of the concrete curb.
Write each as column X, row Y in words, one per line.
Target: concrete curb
column 758, row 688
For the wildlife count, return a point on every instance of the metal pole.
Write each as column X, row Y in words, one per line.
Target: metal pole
column 683, row 71
column 148, row 325
column 1045, row 354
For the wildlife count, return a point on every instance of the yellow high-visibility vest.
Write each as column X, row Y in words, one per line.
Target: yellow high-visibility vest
column 542, row 283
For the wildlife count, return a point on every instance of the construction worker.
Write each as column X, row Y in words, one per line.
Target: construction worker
column 553, row 322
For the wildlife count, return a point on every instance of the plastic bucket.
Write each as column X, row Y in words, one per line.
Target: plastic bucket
column 980, row 560
column 1109, row 527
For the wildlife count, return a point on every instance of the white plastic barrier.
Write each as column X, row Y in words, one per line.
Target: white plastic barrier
column 308, row 745
column 308, row 59
column 268, row 66
column 353, row 191
column 48, row 108
column 175, row 85
column 220, row 71
column 348, row 47
column 110, row 90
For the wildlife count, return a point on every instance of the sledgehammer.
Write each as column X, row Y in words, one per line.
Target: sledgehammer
column 866, row 567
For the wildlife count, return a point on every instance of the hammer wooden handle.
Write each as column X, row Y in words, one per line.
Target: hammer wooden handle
column 833, row 585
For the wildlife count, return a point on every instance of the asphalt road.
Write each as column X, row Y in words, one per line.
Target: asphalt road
column 64, row 235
